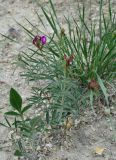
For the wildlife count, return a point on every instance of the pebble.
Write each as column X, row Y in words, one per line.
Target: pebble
column 38, row 148
column 107, row 111
column 49, row 145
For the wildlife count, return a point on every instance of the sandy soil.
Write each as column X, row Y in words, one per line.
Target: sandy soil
column 95, row 132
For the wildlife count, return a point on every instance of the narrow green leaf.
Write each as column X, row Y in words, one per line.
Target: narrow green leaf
column 7, row 122
column 110, row 9
column 103, row 88
column 26, row 108
column 104, row 22
column 15, row 123
column 53, row 51
column 32, row 25
column 9, row 38
column 31, row 35
column 12, row 113
column 50, row 21
column 40, row 20
column 52, row 6
column 2, row 124
column 47, row 117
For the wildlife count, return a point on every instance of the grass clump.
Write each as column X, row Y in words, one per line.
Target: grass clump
column 72, row 61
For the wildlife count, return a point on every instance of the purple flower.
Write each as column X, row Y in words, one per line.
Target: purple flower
column 43, row 39
column 39, row 41
column 35, row 40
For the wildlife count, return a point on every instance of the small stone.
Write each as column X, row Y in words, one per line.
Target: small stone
column 66, row 144
column 107, row 111
column 111, row 129
column 112, row 107
column 17, row 137
column 49, row 127
column 99, row 151
column 93, row 128
column 38, row 148
column 77, row 123
column 49, row 145
column 36, row 111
